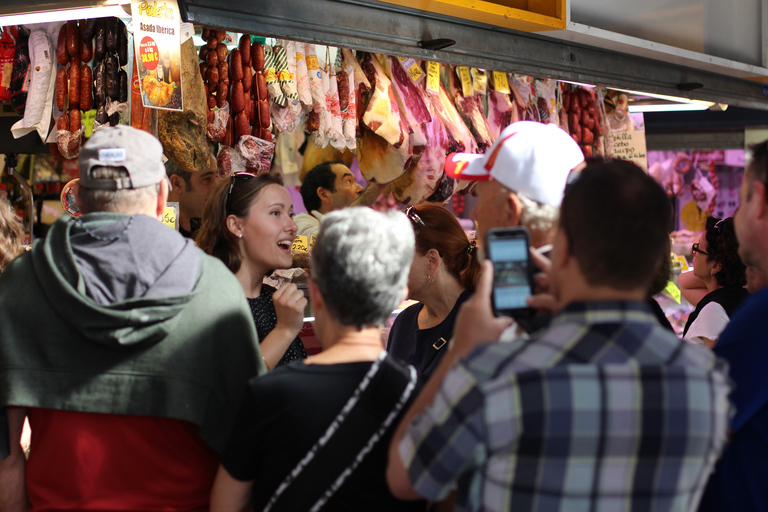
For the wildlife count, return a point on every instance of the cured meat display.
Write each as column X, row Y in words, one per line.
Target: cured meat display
column 396, row 116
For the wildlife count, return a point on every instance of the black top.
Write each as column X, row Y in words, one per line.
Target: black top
column 416, row 346
column 283, row 416
column 264, row 316
column 729, row 297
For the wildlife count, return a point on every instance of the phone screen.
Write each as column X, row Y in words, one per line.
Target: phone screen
column 511, row 277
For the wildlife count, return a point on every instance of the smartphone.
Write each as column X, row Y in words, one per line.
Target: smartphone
column 507, row 248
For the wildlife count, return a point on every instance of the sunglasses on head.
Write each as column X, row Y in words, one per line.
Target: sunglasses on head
column 413, row 216
column 232, row 179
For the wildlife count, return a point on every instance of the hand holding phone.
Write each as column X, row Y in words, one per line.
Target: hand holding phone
column 508, row 250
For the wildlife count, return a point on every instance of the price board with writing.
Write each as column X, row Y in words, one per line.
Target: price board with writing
column 171, row 216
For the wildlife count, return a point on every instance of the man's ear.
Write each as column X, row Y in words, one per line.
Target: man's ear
column 324, row 194
column 514, row 209
column 162, row 198
column 177, row 183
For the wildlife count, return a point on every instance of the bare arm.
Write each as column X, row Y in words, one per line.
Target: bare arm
column 475, row 325
column 692, row 288
column 13, row 490
column 229, row 494
column 371, row 194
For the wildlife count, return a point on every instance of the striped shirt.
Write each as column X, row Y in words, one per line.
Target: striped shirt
column 605, row 410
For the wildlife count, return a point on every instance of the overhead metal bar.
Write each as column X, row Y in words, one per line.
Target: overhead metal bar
column 375, row 26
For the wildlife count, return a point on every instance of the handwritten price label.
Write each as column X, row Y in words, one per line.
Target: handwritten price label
column 170, row 215
column 466, row 81
column 433, row 77
column 500, row 82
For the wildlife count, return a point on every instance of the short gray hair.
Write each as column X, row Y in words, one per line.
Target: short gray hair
column 116, row 201
column 538, row 216
column 361, row 262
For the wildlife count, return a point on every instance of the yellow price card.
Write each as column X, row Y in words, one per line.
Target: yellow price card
column 433, row 77
column 466, row 81
column 500, row 82
column 171, row 215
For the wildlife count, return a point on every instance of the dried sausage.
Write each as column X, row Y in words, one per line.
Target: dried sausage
column 61, row 46
column 343, row 79
column 224, row 161
column 247, row 78
column 212, row 43
column 86, row 50
column 122, row 93
column 248, row 108
column 222, row 52
column 264, row 118
column 88, row 30
column 235, row 65
column 257, row 56
column 241, row 125
column 74, row 85
column 75, row 125
column 111, row 80
column 100, row 45
column 99, row 87
column 206, row 34
column 203, row 52
column 237, row 97
column 220, row 35
column 221, row 94
column 223, row 71
column 73, row 39
column 212, row 76
column 212, row 58
column 111, row 33
column 211, row 99
column 260, row 86
column 227, row 139
column 122, row 42
column 245, row 49
column 61, row 88
column 266, row 135
column 86, row 88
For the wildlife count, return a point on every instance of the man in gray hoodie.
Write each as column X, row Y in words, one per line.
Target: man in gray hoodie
column 125, row 346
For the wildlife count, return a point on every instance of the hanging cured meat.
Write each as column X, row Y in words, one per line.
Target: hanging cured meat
column 380, row 161
column 460, row 139
column 422, row 179
column 471, row 111
column 382, row 114
column 501, row 110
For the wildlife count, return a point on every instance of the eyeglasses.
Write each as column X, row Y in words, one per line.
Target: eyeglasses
column 413, row 216
column 232, row 179
column 695, row 249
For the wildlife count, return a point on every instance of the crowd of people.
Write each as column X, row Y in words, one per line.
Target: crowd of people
column 158, row 371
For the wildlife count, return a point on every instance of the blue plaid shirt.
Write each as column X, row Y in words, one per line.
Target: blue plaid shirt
column 604, row 410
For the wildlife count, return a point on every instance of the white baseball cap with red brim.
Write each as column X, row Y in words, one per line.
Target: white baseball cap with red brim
column 528, row 157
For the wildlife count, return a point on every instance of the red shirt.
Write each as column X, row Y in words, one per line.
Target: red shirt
column 100, row 462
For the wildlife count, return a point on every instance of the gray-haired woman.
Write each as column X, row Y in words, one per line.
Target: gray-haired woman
column 341, row 405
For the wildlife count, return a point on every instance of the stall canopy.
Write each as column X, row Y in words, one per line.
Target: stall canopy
column 545, row 40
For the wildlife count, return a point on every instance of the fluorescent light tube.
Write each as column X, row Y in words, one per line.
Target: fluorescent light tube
column 64, row 15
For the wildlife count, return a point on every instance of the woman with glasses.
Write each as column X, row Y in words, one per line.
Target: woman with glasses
column 717, row 265
column 443, row 275
column 248, row 224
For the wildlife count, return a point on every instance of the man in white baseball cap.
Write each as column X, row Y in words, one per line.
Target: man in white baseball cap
column 521, row 179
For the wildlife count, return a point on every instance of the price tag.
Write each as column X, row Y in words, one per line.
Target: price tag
column 413, row 69
column 673, row 291
column 500, row 82
column 433, row 77
column 312, row 240
column 300, row 243
column 466, row 80
column 170, row 215
column 479, row 81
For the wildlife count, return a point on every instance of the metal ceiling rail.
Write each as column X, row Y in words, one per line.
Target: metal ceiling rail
column 374, row 26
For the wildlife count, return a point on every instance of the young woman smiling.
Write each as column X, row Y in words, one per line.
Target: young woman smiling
column 248, row 224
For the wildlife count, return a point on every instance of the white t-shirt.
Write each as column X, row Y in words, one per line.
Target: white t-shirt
column 309, row 224
column 709, row 324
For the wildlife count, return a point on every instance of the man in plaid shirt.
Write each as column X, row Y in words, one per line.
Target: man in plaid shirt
column 604, row 410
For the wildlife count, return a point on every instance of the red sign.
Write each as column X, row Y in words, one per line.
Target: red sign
column 148, row 53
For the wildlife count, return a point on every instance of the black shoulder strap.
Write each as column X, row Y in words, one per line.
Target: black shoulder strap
column 369, row 412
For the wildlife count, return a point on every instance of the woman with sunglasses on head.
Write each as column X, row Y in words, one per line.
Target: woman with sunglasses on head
column 717, row 265
column 443, row 275
column 248, row 224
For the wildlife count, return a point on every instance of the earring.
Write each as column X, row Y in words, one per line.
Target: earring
column 430, row 279
column 240, row 235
